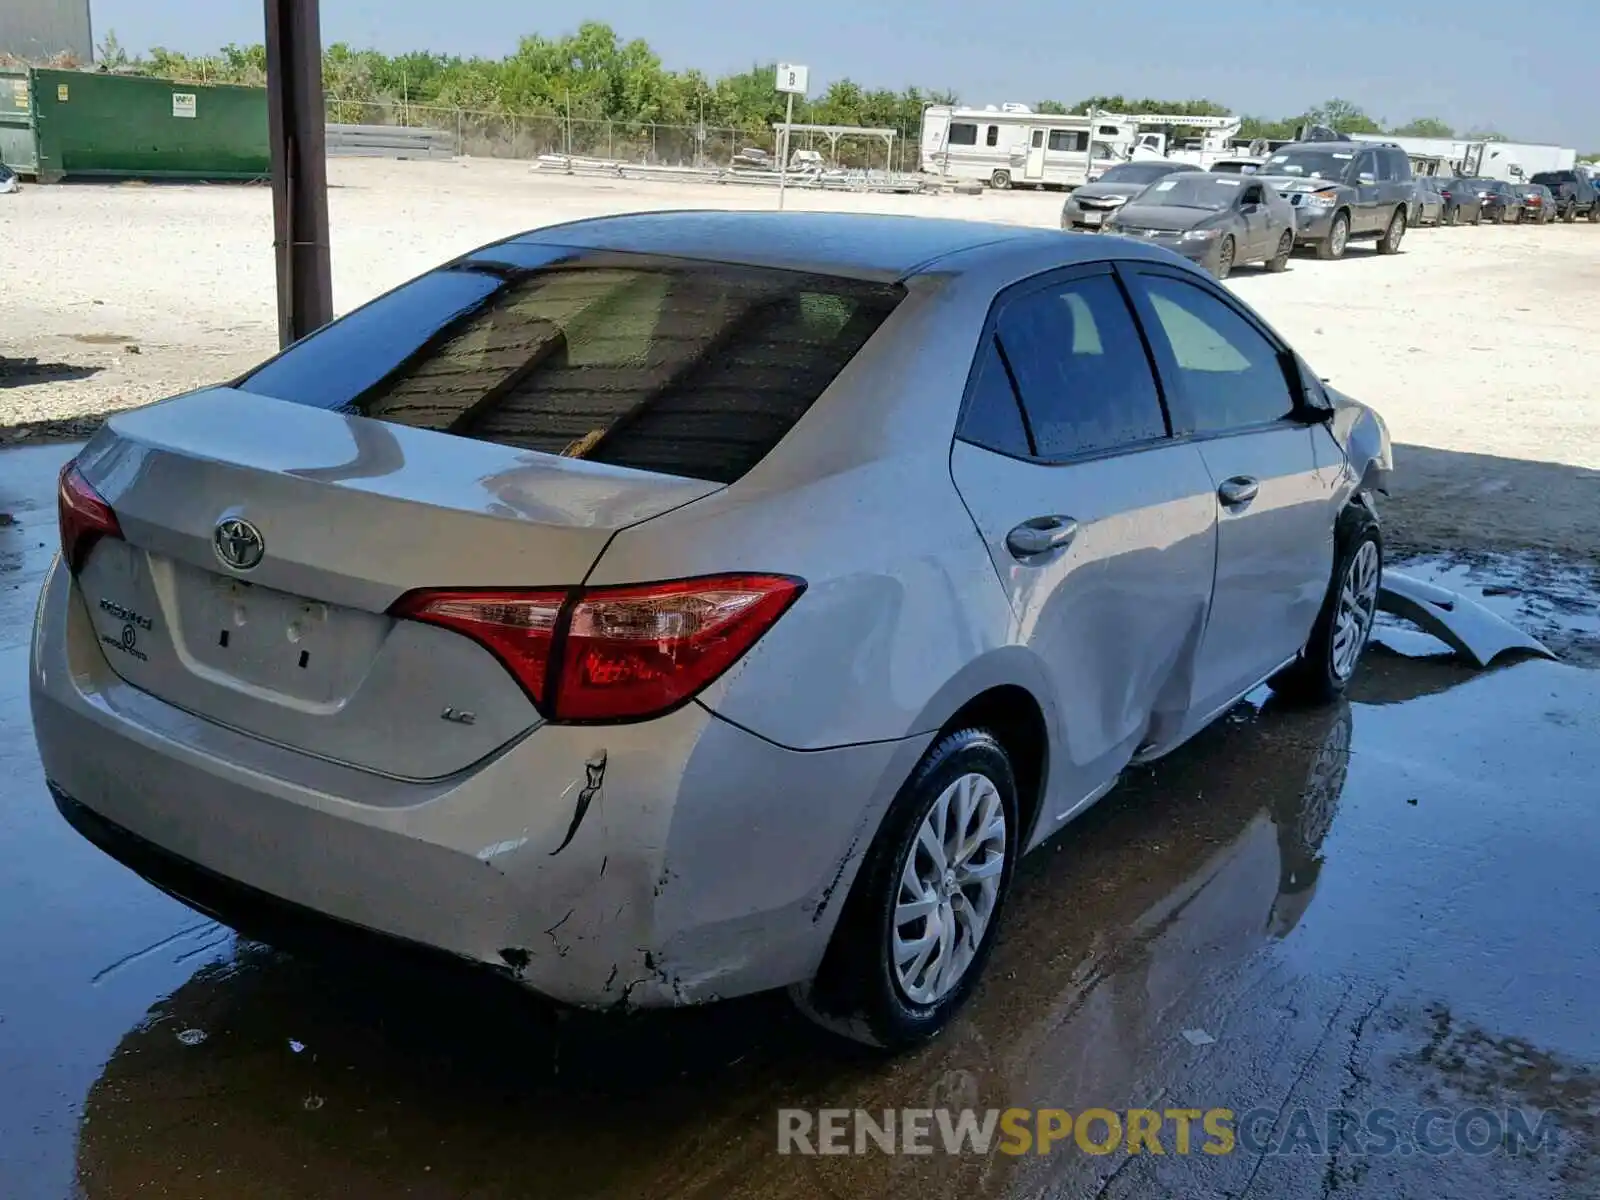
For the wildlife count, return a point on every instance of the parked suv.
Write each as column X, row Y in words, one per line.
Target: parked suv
column 1342, row 191
column 1574, row 193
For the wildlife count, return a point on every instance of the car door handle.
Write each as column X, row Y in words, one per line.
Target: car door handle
column 1040, row 536
column 1238, row 491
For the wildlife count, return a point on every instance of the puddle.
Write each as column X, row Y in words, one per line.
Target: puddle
column 1556, row 600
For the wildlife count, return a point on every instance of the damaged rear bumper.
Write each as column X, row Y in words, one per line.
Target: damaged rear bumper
column 669, row 862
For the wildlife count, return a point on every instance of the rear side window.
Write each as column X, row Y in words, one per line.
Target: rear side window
column 963, row 134
column 1082, row 369
column 693, row 369
column 993, row 418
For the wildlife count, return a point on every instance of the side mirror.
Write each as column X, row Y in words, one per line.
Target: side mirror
column 1313, row 405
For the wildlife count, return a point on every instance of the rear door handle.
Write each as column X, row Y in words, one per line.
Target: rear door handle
column 1238, row 491
column 1040, row 536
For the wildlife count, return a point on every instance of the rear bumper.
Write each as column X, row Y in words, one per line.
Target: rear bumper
column 708, row 862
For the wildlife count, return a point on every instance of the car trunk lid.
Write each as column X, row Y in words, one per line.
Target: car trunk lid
column 347, row 514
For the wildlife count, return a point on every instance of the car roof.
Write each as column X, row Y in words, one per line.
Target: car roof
column 862, row 245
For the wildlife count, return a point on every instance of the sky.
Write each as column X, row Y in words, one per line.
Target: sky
column 1531, row 74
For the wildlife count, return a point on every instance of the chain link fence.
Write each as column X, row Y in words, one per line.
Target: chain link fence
column 529, row 135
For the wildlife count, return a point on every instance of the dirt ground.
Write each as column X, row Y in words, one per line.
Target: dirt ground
column 1473, row 342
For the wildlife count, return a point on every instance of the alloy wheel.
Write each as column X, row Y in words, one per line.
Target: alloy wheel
column 1358, row 605
column 949, row 887
column 1339, row 236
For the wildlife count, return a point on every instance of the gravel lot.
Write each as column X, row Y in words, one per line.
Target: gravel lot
column 1471, row 342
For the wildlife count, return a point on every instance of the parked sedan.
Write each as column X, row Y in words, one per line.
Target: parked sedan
column 1428, row 208
column 1502, row 203
column 1218, row 221
column 666, row 607
column 1462, row 201
column 1089, row 206
column 1538, row 202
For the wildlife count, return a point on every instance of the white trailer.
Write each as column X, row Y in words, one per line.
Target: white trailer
column 1517, row 162
column 1513, row 162
column 1011, row 145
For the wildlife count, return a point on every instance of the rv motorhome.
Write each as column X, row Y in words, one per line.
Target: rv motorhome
column 1013, row 146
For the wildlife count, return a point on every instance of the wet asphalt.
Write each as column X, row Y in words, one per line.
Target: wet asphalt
column 1390, row 905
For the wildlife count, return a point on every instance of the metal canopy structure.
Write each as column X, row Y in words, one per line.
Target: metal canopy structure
column 297, row 128
column 833, row 133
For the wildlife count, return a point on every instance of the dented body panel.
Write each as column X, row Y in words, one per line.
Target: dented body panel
column 600, row 866
column 391, row 775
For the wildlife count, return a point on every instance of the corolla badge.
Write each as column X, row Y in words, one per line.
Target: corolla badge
column 238, row 543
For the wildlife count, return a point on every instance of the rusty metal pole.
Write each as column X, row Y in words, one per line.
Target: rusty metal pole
column 297, row 126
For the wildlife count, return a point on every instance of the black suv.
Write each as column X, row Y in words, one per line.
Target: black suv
column 1343, row 191
column 1574, row 193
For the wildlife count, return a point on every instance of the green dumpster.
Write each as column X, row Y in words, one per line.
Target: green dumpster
column 89, row 124
column 16, row 123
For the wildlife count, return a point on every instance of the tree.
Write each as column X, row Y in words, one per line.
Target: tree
column 1424, row 127
column 111, row 55
column 593, row 75
column 1343, row 117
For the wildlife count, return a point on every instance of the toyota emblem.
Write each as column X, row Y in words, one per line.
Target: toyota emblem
column 238, row 543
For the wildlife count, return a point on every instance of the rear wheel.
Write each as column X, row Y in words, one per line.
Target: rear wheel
column 1000, row 180
column 1594, row 214
column 1338, row 239
column 1477, row 215
column 1280, row 260
column 1569, row 213
column 1389, row 243
column 1223, row 267
column 1450, row 216
column 1330, row 656
column 921, row 917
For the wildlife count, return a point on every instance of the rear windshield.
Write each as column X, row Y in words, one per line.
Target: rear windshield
column 1555, row 177
column 686, row 368
column 1141, row 172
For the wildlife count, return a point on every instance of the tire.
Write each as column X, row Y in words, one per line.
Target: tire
column 1594, row 214
column 1499, row 216
column 1280, row 261
column 1338, row 240
column 1326, row 664
column 1389, row 243
column 860, row 991
column 1450, row 216
column 1569, row 214
column 1225, row 255
column 1000, row 181
column 1477, row 217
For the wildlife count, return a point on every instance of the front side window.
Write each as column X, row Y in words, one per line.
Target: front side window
column 963, row 134
column 1081, row 367
column 686, row 368
column 1231, row 376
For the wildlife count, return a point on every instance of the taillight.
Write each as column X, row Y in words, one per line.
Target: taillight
column 615, row 653
column 84, row 516
column 518, row 628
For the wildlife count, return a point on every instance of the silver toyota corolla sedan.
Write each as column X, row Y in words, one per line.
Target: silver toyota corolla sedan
column 663, row 608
